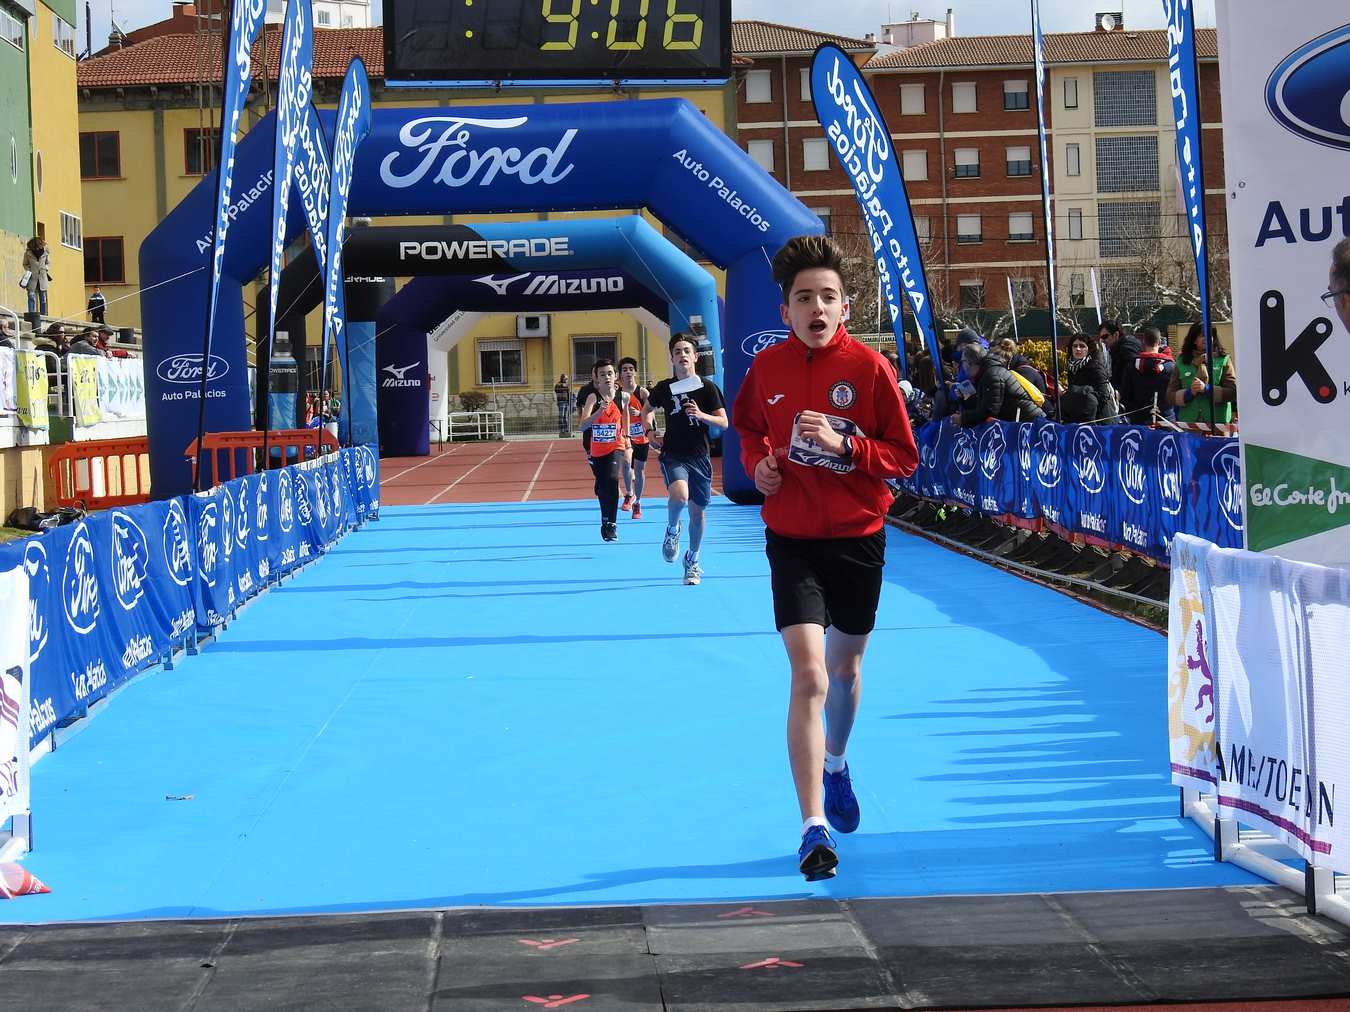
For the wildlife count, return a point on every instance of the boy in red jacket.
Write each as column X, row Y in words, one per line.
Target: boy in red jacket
column 822, row 424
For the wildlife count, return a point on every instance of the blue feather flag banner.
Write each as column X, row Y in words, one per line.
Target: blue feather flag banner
column 293, row 98
column 246, row 21
column 353, row 124
column 858, row 136
column 1181, row 66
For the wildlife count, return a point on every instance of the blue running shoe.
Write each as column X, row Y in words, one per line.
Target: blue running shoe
column 816, row 858
column 841, row 806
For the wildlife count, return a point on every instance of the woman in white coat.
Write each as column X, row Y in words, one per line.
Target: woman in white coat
column 37, row 262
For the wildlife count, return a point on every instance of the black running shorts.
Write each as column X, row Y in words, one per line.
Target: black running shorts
column 640, row 451
column 827, row 582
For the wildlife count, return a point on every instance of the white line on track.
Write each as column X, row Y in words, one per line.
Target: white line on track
column 537, row 471
column 430, row 460
column 465, row 474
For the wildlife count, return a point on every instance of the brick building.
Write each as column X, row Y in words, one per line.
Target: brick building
column 963, row 121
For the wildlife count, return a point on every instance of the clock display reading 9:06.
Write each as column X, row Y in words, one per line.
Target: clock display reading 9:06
column 557, row 39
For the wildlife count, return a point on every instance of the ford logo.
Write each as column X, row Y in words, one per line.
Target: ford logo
column 1309, row 92
column 177, row 544
column 302, row 500
column 1087, row 460
column 130, row 559
column 761, row 339
column 227, row 522
column 260, row 524
column 1024, row 448
column 1228, row 471
column 188, row 368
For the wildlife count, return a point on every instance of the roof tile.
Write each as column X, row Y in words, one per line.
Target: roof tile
column 1016, row 50
column 768, row 37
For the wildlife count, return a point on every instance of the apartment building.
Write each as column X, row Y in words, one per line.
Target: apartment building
column 962, row 116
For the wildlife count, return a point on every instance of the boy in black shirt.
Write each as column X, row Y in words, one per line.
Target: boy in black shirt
column 691, row 404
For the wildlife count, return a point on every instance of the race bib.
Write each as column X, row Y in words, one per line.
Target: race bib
column 805, row 450
column 636, row 431
column 604, row 432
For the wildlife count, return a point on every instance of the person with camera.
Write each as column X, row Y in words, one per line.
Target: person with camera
column 37, row 274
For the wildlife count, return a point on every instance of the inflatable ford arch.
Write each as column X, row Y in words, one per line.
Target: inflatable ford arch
column 661, row 154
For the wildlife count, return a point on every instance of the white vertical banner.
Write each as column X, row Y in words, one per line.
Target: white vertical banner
column 1012, row 308
column 1258, row 689
column 1096, row 295
column 1287, row 159
column 15, row 616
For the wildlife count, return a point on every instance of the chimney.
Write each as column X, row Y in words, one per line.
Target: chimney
column 951, row 24
column 870, row 38
column 1111, row 21
column 888, row 35
column 116, row 40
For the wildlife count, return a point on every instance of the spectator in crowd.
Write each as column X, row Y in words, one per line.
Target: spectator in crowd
column 1088, row 397
column 1146, row 382
column 1020, row 364
column 1122, row 348
column 998, row 394
column 1338, row 280
column 98, row 305
column 8, row 336
column 1192, row 390
column 37, row 262
column 83, row 345
column 890, row 356
column 562, row 393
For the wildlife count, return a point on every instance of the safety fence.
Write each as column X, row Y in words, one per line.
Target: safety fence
column 99, row 473
column 124, row 589
column 1257, row 691
column 1121, row 487
column 36, row 383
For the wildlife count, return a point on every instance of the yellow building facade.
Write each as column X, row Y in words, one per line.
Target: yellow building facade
column 155, row 127
column 57, row 191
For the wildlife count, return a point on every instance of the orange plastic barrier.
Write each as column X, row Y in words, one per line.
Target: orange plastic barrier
column 119, row 468
column 241, row 449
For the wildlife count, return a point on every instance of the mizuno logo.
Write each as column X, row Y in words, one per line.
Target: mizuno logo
column 776, row 398
column 398, row 376
column 500, row 287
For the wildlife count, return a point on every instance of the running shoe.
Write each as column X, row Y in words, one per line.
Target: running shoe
column 609, row 531
column 841, row 806
column 817, row 858
column 637, row 509
column 693, row 572
column 670, row 545
column 627, row 503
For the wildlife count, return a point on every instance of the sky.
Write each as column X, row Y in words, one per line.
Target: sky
column 845, row 17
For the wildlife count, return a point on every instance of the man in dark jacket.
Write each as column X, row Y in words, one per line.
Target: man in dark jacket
column 1123, row 347
column 997, row 393
column 1145, row 382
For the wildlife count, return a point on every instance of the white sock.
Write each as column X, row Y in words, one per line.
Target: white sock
column 834, row 763
column 814, row 820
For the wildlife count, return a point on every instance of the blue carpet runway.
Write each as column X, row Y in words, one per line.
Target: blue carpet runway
column 485, row 705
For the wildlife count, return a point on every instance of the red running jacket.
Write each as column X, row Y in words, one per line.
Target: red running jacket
column 844, row 379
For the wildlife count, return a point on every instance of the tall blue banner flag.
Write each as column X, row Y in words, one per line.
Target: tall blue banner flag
column 1181, row 66
column 245, row 22
column 1039, row 46
column 353, row 124
column 860, row 140
column 293, row 97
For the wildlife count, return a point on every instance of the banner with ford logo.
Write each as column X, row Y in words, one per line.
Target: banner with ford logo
column 661, row 154
column 1133, row 487
column 858, row 136
column 15, row 682
column 1286, row 139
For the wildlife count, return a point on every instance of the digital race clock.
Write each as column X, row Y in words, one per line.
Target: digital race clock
column 516, row 41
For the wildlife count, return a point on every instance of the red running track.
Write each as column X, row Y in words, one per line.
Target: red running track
column 511, row 471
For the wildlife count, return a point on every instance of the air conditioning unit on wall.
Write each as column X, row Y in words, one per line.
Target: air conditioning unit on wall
column 532, row 325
